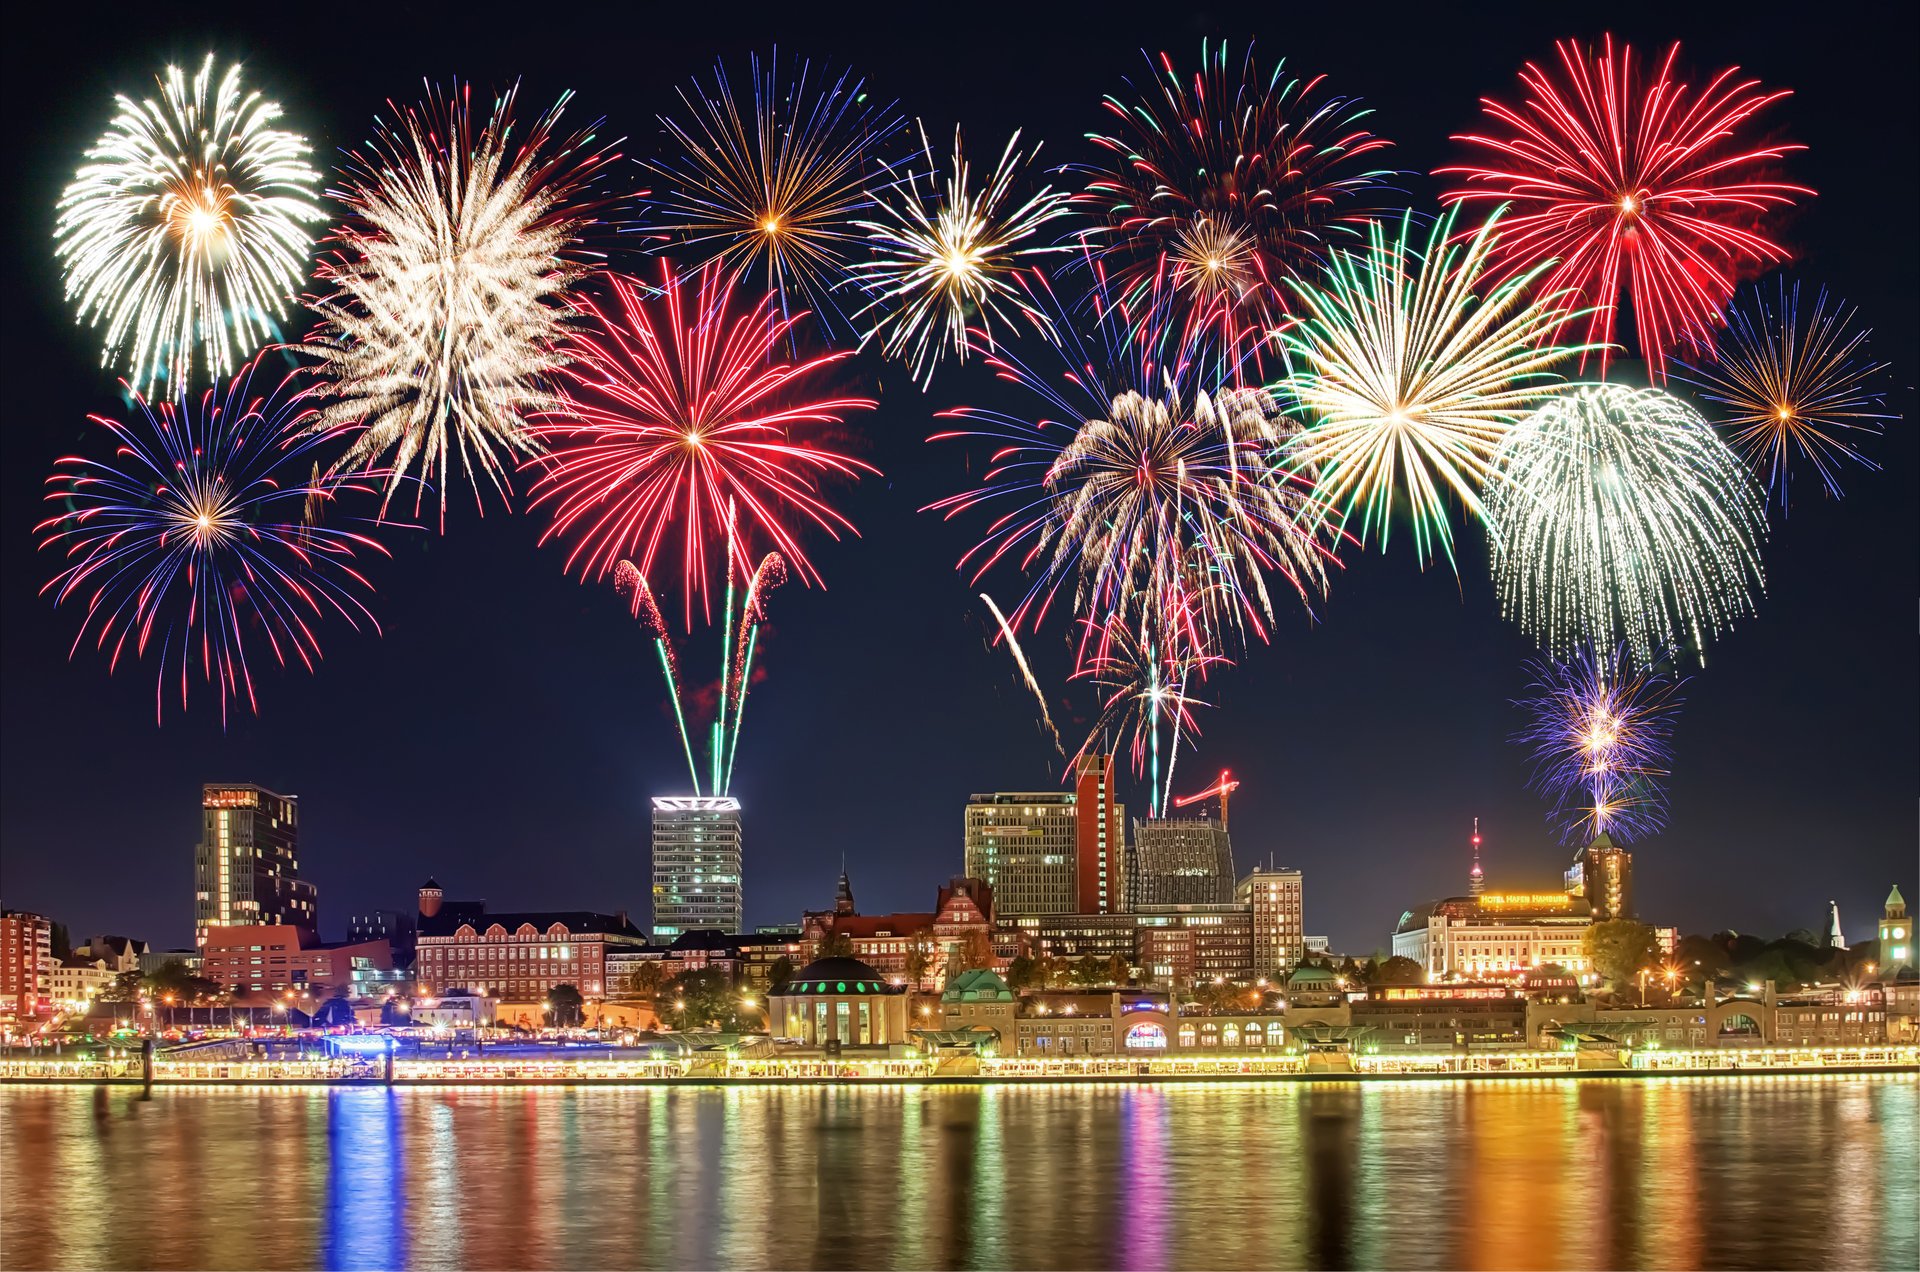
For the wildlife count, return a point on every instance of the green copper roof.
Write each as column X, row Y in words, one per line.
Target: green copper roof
column 1895, row 899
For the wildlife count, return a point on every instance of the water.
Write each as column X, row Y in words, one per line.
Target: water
column 1659, row 1173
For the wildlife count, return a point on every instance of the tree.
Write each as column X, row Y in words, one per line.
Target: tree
column 174, row 978
column 335, row 1013
column 1118, row 969
column 1089, row 969
column 564, row 1010
column 778, row 974
column 648, row 977
column 1218, row 996
column 974, row 951
column 1618, row 948
column 701, row 999
column 833, row 944
column 1354, row 973
column 125, row 988
column 919, row 959
column 1399, row 971
column 60, row 945
column 1024, row 973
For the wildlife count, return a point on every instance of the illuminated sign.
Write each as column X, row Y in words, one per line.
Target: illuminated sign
column 359, row 1044
column 230, row 799
column 1525, row 900
column 1146, row 1037
column 695, row 804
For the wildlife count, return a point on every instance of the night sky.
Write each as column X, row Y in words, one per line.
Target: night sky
column 506, row 732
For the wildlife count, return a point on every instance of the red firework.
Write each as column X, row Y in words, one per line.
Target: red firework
column 1633, row 184
column 677, row 419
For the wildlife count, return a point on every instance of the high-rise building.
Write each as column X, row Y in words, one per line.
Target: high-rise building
column 1181, row 861
column 1275, row 896
column 1603, row 874
column 246, row 869
column 1896, row 937
column 1100, row 847
column 26, row 962
column 1051, row 852
column 696, row 865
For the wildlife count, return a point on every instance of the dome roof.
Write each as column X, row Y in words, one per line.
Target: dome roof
column 837, row 976
column 1310, row 974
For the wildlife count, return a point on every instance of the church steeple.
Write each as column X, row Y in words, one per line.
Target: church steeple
column 843, row 895
column 1836, row 939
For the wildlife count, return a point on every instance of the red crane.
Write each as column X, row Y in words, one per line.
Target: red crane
column 1223, row 788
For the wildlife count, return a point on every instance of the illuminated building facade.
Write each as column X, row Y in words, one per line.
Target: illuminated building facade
column 26, row 962
column 246, row 869
column 1274, row 898
column 517, row 958
column 1496, row 934
column 1175, row 945
column 1051, row 852
column 837, row 1003
column 1442, row 1017
column 697, row 880
column 1603, row 874
column 1100, row 829
column 264, row 959
column 1181, row 861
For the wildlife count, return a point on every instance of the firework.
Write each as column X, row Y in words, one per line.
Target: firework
column 1793, row 388
column 942, row 265
column 1634, row 186
column 199, row 541
column 1601, row 736
column 1411, row 378
column 1617, row 515
column 185, row 233
column 1138, row 484
column 1026, row 672
column 676, row 411
column 1142, row 681
column 775, row 190
column 445, row 314
column 1231, row 180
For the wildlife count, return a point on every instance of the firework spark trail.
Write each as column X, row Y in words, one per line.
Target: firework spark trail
column 445, row 314
column 1142, row 687
column 1026, row 672
column 946, row 263
column 1631, row 187
column 1601, row 736
column 675, row 409
column 1617, row 515
column 185, row 232
column 771, row 573
column 204, row 531
column 1793, row 388
column 628, row 580
column 777, row 190
column 1410, row 379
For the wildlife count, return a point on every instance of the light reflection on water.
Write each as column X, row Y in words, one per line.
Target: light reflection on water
column 1660, row 1173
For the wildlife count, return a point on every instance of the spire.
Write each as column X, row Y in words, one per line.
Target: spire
column 1836, row 939
column 843, row 895
column 1896, row 904
column 1476, row 880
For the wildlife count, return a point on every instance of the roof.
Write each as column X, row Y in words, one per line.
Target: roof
column 837, row 976
column 431, row 883
column 576, row 922
column 1311, row 974
column 1895, row 899
column 708, row 939
column 980, row 985
column 869, row 926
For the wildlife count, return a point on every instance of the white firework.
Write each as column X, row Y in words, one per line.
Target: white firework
column 943, row 263
column 447, row 303
column 1618, row 515
column 184, row 234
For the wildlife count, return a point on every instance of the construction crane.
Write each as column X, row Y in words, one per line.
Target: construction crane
column 1223, row 788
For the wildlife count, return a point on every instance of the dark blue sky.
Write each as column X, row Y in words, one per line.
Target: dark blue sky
column 506, row 732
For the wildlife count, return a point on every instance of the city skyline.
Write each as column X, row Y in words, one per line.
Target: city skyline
column 507, row 729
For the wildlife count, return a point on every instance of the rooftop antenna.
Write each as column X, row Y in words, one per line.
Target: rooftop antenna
column 1476, row 880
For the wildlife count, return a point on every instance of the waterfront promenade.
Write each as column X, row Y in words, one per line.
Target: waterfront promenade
column 723, row 1069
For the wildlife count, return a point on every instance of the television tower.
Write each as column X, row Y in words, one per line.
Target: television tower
column 1476, row 879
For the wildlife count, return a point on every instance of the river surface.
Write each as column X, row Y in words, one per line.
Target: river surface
column 1656, row 1173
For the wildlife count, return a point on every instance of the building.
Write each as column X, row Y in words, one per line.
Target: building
column 120, row 953
column 1050, row 852
column 80, row 980
column 272, row 958
column 1177, row 945
column 154, row 960
column 515, row 957
column 26, row 962
column 1896, row 937
column 839, row 1003
column 1602, row 872
column 1442, row 1017
column 979, row 1000
column 1181, row 861
column 1274, row 897
column 1831, row 1016
column 915, row 948
column 963, row 924
column 1496, row 934
column 697, row 865
column 395, row 927
column 1100, row 847
column 246, row 869
column 1023, row 844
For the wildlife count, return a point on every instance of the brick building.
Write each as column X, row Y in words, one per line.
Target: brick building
column 269, row 959
column 26, row 962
